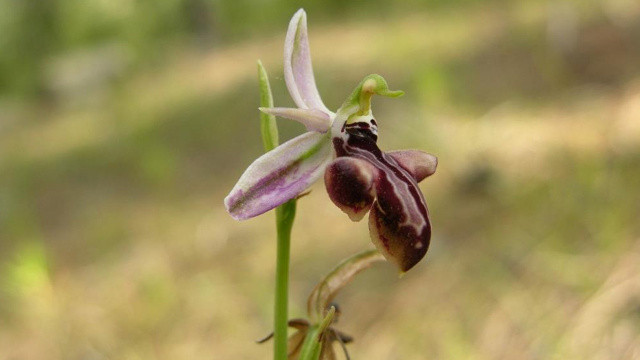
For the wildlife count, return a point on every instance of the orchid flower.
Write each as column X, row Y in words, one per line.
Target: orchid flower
column 359, row 177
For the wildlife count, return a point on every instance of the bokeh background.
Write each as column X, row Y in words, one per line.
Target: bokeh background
column 124, row 123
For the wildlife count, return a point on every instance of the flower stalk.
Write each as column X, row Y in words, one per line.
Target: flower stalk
column 285, row 215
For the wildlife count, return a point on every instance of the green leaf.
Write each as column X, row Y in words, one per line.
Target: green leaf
column 268, row 125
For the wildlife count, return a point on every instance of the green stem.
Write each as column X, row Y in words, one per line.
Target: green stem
column 285, row 215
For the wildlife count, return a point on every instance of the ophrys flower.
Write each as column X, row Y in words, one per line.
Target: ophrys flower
column 359, row 177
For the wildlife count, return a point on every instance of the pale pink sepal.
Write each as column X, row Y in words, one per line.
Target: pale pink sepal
column 279, row 175
column 298, row 72
column 313, row 119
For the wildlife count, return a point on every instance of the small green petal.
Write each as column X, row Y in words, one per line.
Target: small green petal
column 373, row 84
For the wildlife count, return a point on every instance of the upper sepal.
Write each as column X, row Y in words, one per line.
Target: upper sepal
column 298, row 71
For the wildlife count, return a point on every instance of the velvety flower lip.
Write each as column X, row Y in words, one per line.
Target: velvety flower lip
column 359, row 177
column 399, row 220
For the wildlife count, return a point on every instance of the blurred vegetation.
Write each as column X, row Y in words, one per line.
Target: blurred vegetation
column 123, row 124
column 36, row 32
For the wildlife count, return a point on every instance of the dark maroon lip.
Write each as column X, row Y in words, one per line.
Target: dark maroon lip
column 400, row 212
column 359, row 124
column 361, row 130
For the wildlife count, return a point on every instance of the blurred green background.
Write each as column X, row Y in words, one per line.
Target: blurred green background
column 124, row 123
